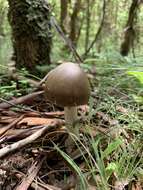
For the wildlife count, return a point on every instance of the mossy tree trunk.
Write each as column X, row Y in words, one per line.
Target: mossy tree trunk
column 31, row 32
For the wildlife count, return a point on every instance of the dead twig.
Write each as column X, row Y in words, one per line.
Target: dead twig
column 18, row 133
column 32, row 173
column 27, row 140
column 7, row 104
column 34, row 185
column 6, row 128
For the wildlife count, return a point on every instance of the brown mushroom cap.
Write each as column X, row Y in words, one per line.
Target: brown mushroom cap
column 67, row 85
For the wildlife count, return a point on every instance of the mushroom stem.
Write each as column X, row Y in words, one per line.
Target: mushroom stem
column 70, row 115
column 70, row 118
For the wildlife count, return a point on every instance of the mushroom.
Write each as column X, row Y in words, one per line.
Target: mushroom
column 67, row 85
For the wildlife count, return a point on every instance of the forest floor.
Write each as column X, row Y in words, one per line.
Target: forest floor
column 107, row 154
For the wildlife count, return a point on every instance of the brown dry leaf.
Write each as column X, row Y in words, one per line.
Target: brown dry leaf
column 106, row 118
column 93, row 130
column 6, row 119
column 136, row 186
column 48, row 114
column 8, row 113
column 120, row 185
column 115, row 132
column 122, row 110
column 84, row 108
column 10, row 125
column 31, row 121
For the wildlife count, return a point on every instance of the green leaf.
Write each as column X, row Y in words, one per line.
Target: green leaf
column 111, row 167
column 137, row 74
column 83, row 181
column 111, row 147
column 138, row 99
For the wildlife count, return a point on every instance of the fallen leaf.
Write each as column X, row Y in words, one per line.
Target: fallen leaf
column 48, row 114
column 122, row 110
column 6, row 119
column 84, row 108
column 120, row 185
column 136, row 186
column 31, row 121
column 106, row 118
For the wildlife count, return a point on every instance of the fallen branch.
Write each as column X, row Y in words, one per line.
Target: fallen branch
column 6, row 128
column 34, row 185
column 13, row 134
column 18, row 134
column 27, row 140
column 32, row 173
column 20, row 100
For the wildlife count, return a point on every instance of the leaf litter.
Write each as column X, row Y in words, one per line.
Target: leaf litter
column 29, row 159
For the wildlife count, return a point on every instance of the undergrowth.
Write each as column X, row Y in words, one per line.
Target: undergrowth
column 111, row 147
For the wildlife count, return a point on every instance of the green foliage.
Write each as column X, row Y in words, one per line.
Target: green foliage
column 8, row 91
column 12, row 88
column 82, row 179
column 137, row 74
column 117, row 154
column 111, row 147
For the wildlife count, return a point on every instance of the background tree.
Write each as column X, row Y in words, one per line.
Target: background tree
column 74, row 21
column 31, row 32
column 64, row 15
column 129, row 33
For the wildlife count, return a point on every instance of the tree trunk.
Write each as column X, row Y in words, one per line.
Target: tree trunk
column 106, row 29
column 31, row 32
column 87, row 24
column 63, row 16
column 74, row 19
column 129, row 33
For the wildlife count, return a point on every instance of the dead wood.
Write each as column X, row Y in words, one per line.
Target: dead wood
column 32, row 173
column 9, row 126
column 34, row 185
column 20, row 100
column 38, row 185
column 17, row 145
column 18, row 134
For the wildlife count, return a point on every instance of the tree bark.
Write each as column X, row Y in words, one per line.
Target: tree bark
column 88, row 14
column 129, row 33
column 74, row 19
column 31, row 32
column 98, row 31
column 63, row 16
